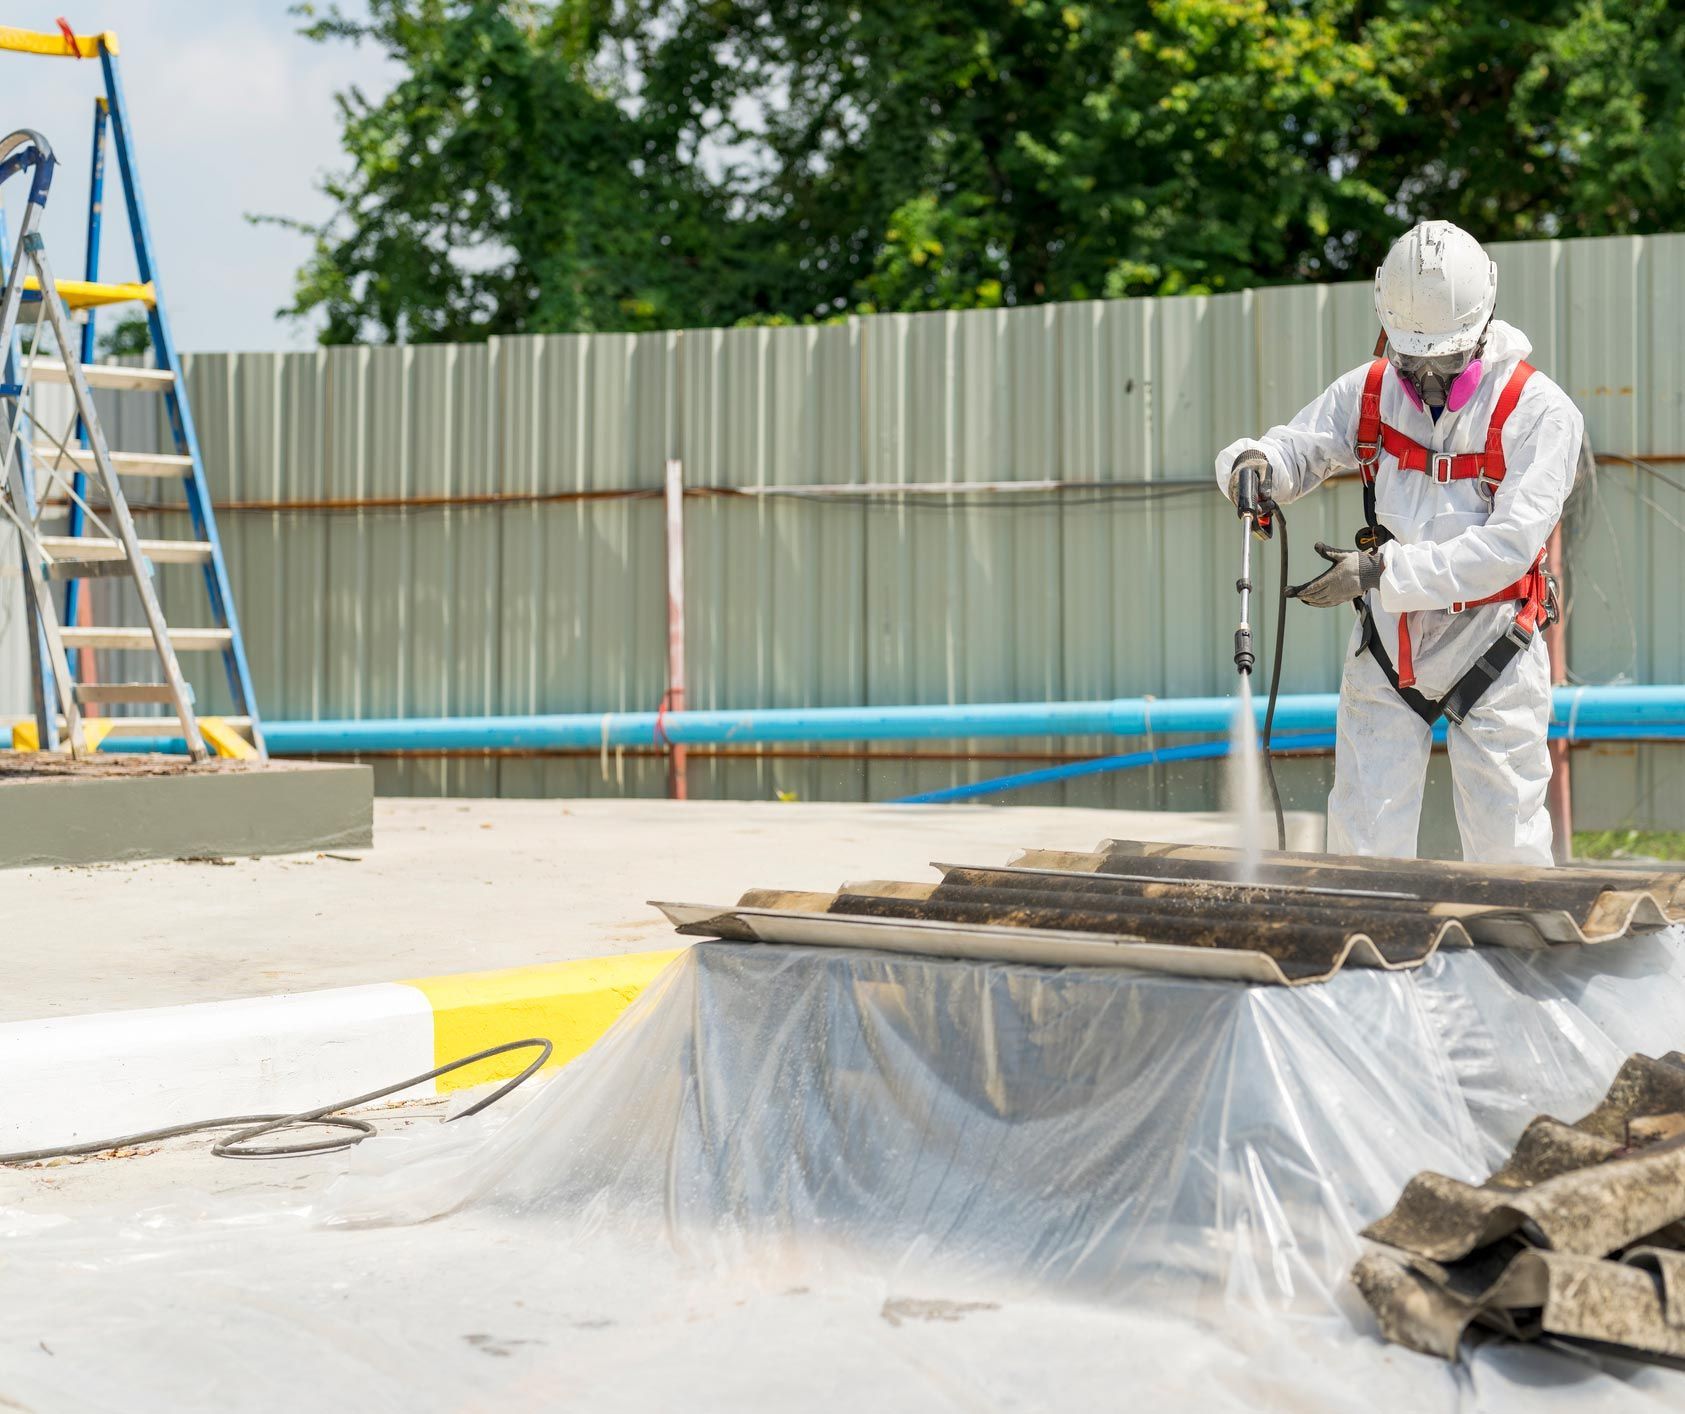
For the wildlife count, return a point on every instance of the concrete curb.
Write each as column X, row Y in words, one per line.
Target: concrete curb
column 57, row 811
column 79, row 1078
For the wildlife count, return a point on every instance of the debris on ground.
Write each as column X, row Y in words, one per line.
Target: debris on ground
column 1578, row 1238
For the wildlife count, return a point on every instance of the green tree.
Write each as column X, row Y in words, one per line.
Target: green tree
column 1519, row 120
column 129, row 337
column 636, row 164
column 1058, row 151
column 503, row 185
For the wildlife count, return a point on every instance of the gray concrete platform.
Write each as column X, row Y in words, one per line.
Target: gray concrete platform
column 472, row 885
column 54, row 810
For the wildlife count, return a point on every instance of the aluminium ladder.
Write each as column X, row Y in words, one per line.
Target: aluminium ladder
column 102, row 553
column 117, row 553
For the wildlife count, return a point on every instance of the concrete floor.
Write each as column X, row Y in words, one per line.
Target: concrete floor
column 162, row 1280
column 137, row 1178
column 454, row 886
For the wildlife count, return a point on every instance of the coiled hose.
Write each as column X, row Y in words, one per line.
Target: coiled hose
column 239, row 1145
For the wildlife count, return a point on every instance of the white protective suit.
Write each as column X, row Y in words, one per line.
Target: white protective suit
column 1454, row 543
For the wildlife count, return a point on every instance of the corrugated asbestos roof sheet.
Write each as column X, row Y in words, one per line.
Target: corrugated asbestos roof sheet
column 1577, row 1238
column 1185, row 909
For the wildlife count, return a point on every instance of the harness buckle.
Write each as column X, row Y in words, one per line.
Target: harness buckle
column 1368, row 459
column 1519, row 636
column 1439, row 467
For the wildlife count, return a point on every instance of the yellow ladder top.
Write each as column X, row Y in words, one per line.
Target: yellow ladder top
column 56, row 45
column 83, row 294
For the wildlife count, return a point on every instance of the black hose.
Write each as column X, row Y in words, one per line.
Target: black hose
column 255, row 1126
column 1275, row 685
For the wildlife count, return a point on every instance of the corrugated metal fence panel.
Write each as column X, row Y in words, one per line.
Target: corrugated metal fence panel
column 390, row 554
column 307, row 590
column 218, row 412
column 1620, row 355
column 1111, row 579
column 588, row 413
column 345, row 453
column 533, row 606
column 774, row 594
column 239, row 410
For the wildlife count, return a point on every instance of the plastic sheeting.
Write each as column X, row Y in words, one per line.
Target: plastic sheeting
column 797, row 1175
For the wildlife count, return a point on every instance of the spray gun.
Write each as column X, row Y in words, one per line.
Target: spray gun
column 1258, row 515
column 1257, row 518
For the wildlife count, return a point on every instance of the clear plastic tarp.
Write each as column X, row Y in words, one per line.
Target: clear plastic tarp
column 822, row 1178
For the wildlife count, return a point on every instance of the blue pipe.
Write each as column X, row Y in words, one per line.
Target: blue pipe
column 1125, row 717
column 589, row 731
column 1215, row 750
column 1100, row 765
column 1582, row 708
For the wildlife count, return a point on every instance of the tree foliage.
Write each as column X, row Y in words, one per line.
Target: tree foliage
column 637, row 164
column 502, row 185
column 129, row 337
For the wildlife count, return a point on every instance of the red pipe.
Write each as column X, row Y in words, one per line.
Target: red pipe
column 677, row 786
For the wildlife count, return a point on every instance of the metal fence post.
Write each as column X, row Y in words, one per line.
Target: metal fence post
column 674, row 701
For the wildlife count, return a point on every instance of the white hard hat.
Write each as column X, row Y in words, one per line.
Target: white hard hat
column 1435, row 290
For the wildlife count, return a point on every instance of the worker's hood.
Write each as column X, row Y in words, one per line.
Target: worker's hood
column 1505, row 347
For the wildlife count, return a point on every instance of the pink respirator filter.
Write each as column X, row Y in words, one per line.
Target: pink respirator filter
column 1463, row 386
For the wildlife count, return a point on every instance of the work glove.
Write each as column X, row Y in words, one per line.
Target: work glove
column 1256, row 461
column 1351, row 573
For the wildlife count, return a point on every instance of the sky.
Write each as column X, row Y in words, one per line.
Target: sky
column 233, row 114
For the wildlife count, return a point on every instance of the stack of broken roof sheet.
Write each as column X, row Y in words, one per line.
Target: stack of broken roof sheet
column 1198, row 911
column 1578, row 1238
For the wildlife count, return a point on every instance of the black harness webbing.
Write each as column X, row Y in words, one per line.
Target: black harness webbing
column 1471, row 687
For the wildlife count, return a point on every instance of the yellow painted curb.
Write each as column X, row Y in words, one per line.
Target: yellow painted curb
column 572, row 1003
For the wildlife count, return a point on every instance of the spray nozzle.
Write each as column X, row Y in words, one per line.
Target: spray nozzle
column 1243, row 657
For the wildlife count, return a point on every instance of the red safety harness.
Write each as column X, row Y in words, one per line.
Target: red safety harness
column 1534, row 589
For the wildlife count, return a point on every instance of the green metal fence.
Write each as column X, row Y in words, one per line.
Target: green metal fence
column 475, row 529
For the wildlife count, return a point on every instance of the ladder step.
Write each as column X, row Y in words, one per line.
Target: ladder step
column 160, row 726
column 91, row 693
column 106, row 375
column 123, row 463
column 185, row 640
column 92, row 569
column 102, row 547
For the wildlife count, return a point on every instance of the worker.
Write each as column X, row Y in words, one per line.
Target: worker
column 1466, row 455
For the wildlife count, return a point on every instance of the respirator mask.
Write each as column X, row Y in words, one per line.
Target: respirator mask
column 1439, row 380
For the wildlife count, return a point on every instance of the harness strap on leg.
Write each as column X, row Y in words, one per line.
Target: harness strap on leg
column 1469, row 689
column 1406, row 660
column 1370, row 641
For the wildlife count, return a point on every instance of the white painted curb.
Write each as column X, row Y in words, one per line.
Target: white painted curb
column 73, row 1079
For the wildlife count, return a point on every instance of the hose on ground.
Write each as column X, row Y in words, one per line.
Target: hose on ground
column 239, row 1145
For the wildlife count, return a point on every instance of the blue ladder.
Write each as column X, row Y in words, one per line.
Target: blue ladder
column 111, row 114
